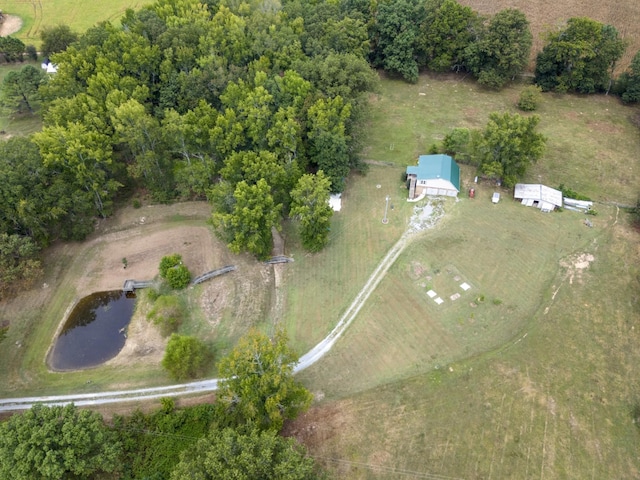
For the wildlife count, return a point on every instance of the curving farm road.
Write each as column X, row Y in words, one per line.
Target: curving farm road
column 423, row 219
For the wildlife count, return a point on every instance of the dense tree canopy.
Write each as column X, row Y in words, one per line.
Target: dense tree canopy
column 56, row 442
column 579, row 58
column 254, row 455
column 258, row 389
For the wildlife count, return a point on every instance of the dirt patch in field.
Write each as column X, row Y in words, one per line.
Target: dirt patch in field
column 576, row 264
column 10, row 25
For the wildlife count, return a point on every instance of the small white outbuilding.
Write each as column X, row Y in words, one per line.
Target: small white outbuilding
column 537, row 195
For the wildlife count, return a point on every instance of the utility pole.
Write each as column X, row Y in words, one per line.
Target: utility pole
column 385, row 220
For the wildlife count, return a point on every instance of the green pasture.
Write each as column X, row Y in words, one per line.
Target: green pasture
column 532, row 372
column 554, row 401
column 507, row 253
column 38, row 14
column 319, row 287
column 591, row 139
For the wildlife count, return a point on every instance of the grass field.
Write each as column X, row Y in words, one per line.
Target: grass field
column 38, row 14
column 530, row 373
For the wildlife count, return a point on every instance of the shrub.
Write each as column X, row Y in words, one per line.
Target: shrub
column 167, row 313
column 185, row 357
column 168, row 262
column 530, row 98
column 179, row 277
column 568, row 192
column 32, row 53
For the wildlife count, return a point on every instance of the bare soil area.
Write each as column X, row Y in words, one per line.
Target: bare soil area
column 10, row 25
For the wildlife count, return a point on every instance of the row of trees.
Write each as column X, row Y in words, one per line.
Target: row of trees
column 54, row 39
column 406, row 36
column 442, row 35
column 236, row 437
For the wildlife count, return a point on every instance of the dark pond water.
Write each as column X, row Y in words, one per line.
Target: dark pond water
column 94, row 331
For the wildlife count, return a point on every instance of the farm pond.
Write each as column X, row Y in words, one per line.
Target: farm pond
column 94, row 332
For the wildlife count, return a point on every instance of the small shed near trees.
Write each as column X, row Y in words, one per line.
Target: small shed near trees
column 537, row 195
column 434, row 175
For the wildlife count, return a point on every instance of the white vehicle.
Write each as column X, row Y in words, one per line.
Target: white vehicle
column 496, row 197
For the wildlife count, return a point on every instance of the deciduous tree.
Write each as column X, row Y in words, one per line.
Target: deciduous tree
column 502, row 50
column 19, row 262
column 56, row 39
column 185, row 357
column 448, row 29
column 396, row 35
column 258, row 387
column 247, row 226
column 580, row 57
column 310, row 206
column 57, row 442
column 510, row 144
column 253, row 455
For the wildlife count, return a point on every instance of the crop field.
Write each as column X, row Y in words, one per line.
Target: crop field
column 530, row 372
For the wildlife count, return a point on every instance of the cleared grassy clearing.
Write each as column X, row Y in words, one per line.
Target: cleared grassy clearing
column 38, row 14
column 541, row 385
column 555, row 403
column 507, row 253
column 591, row 146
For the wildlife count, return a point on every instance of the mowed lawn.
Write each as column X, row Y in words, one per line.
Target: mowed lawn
column 507, row 254
column 555, row 401
column 79, row 15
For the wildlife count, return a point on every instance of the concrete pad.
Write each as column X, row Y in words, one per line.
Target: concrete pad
column 465, row 286
column 438, row 300
column 431, row 293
